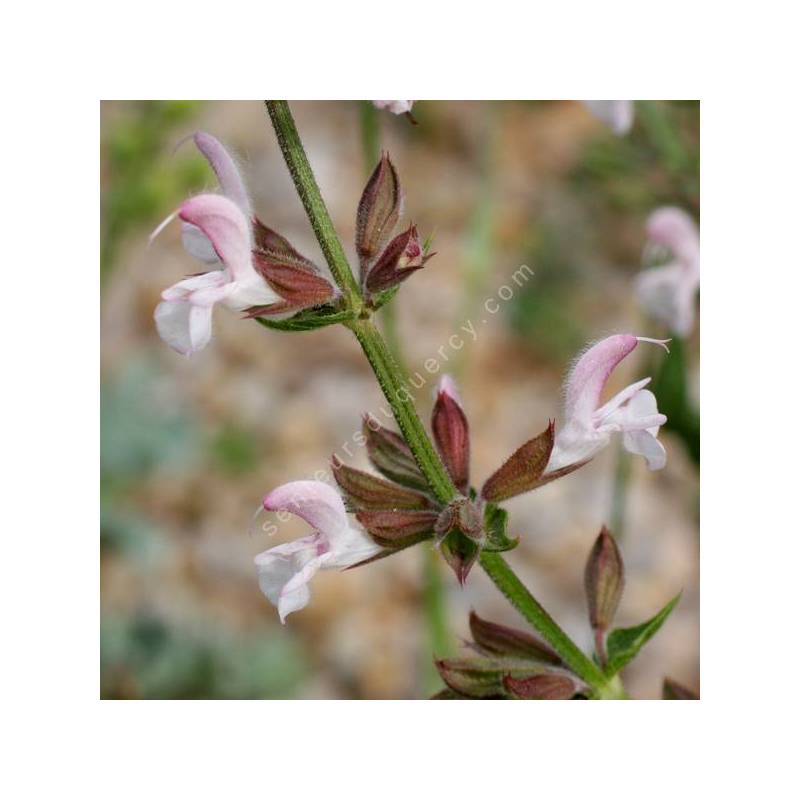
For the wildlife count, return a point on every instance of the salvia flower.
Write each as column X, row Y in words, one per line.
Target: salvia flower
column 285, row 571
column 255, row 269
column 183, row 318
column 667, row 293
column 617, row 114
column 589, row 426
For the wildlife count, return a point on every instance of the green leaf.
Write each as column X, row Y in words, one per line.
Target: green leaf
column 625, row 643
column 307, row 320
column 495, row 523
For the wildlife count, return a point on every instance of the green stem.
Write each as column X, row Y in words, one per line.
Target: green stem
column 399, row 397
column 295, row 156
column 394, row 388
column 512, row 587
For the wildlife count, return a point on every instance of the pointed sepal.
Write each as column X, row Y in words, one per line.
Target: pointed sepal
column 296, row 280
column 402, row 257
column 451, row 434
column 391, row 456
column 523, row 469
column 371, row 493
column 460, row 553
column 501, row 640
column 398, row 528
column 540, row 687
column 378, row 212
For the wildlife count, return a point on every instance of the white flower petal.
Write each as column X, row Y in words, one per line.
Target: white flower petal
column 251, row 292
column 183, row 290
column 573, row 444
column 284, row 572
column 200, row 326
column 351, row 546
column 198, row 245
column 172, row 324
column 644, row 443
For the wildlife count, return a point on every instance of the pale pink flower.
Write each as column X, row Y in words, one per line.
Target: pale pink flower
column 232, row 186
column 395, row 106
column 183, row 318
column 668, row 293
column 285, row 571
column 617, row 114
column 589, row 426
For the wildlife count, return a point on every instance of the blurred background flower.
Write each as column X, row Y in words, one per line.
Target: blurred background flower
column 190, row 446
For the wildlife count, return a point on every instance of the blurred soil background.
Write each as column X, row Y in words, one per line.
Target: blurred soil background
column 190, row 446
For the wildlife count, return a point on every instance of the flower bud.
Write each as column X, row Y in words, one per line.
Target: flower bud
column 402, row 257
column 504, row 641
column 523, row 470
column 370, row 493
column 540, row 687
column 378, row 212
column 391, row 456
column 451, row 434
column 604, row 580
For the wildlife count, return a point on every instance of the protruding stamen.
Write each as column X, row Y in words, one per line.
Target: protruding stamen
column 161, row 227
column 660, row 342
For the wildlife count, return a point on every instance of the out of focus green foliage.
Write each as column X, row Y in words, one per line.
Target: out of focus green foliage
column 670, row 387
column 143, row 425
column 140, row 181
column 146, row 657
column 657, row 163
column 543, row 312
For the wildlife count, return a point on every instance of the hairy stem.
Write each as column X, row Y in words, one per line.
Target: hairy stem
column 396, row 392
column 512, row 587
column 296, row 159
column 398, row 395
